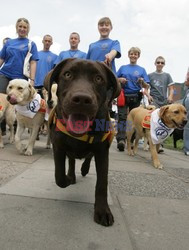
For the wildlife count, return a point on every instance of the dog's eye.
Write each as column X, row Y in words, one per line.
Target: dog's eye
column 20, row 88
column 67, row 75
column 10, row 87
column 176, row 112
column 98, row 79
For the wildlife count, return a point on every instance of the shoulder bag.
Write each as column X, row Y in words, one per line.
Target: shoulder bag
column 26, row 67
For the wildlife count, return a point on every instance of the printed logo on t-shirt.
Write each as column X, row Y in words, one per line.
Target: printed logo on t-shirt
column 157, row 83
column 136, row 73
column 104, row 46
column 49, row 59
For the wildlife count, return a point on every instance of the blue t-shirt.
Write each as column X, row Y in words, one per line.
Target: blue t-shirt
column 13, row 53
column 99, row 49
column 44, row 65
column 132, row 73
column 70, row 54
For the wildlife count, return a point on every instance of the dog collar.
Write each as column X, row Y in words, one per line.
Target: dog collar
column 86, row 137
column 1, row 108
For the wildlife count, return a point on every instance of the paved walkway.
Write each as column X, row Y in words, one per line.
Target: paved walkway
column 150, row 207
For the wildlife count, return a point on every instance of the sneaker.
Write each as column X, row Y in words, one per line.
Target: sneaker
column 161, row 150
column 121, row 145
column 187, row 153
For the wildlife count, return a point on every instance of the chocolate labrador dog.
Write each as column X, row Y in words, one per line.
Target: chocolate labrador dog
column 79, row 125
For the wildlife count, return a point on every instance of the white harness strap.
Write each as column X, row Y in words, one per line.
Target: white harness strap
column 159, row 132
column 31, row 108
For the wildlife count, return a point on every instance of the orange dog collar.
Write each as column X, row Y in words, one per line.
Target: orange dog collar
column 86, row 137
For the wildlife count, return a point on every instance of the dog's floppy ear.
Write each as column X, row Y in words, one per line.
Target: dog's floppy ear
column 32, row 91
column 163, row 110
column 55, row 75
column 114, row 86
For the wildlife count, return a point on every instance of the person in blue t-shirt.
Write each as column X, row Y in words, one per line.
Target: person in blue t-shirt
column 105, row 49
column 133, row 79
column 13, row 55
column 73, row 52
column 3, row 123
column 45, row 64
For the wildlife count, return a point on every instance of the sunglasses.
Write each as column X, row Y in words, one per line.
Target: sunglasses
column 160, row 63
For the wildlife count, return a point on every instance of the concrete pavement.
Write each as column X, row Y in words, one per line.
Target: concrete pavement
column 150, row 207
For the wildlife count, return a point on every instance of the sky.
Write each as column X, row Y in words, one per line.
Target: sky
column 156, row 27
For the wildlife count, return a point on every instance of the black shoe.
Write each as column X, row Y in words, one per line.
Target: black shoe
column 121, row 145
column 3, row 133
column 160, row 151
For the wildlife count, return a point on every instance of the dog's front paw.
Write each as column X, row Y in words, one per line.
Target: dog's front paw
column 130, row 153
column 158, row 165
column 146, row 148
column 103, row 216
column 11, row 140
column 20, row 147
column 28, row 153
column 1, row 145
column 63, row 182
column 48, row 146
column 134, row 151
column 72, row 178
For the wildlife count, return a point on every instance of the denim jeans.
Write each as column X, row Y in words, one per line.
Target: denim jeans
column 122, row 118
column 4, row 81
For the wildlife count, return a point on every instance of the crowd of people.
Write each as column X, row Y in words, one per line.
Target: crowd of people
column 157, row 87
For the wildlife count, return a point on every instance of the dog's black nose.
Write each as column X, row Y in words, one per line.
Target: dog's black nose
column 81, row 99
column 50, row 103
column 184, row 122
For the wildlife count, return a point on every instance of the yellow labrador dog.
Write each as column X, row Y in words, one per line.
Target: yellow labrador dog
column 30, row 112
column 7, row 112
column 155, row 126
column 50, row 106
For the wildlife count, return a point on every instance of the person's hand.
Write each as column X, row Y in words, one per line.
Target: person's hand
column 142, row 82
column 122, row 80
column 150, row 99
column 31, row 81
column 108, row 59
column 169, row 101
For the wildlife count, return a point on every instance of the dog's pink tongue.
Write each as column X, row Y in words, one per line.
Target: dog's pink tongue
column 78, row 124
column 12, row 100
